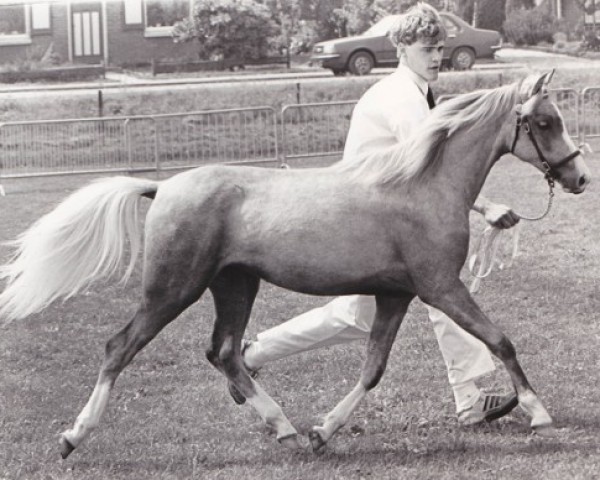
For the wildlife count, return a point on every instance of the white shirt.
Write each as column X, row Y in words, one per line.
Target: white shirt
column 387, row 113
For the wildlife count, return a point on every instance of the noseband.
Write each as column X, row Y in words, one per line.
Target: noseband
column 550, row 172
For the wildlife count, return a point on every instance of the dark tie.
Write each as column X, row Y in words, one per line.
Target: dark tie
column 430, row 100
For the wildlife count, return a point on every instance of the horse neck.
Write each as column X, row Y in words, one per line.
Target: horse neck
column 469, row 156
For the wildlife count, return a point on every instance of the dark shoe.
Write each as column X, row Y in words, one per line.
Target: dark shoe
column 488, row 408
column 238, row 396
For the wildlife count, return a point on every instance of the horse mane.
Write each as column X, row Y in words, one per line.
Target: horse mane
column 422, row 152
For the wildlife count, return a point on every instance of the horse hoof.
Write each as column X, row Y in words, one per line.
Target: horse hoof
column 290, row 442
column 66, row 447
column 316, row 441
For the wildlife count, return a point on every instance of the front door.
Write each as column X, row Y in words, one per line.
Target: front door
column 86, row 25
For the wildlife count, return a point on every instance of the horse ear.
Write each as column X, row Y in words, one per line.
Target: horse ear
column 549, row 76
column 533, row 84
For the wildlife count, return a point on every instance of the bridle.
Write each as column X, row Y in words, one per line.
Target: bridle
column 550, row 171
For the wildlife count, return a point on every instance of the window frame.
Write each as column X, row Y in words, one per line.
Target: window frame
column 41, row 31
column 8, row 39
column 131, row 25
column 163, row 31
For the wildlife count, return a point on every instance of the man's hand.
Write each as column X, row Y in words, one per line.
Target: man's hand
column 496, row 214
column 500, row 216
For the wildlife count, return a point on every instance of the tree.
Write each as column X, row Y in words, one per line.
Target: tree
column 489, row 14
column 354, row 16
column 229, row 29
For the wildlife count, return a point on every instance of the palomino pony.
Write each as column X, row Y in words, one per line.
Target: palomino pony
column 394, row 225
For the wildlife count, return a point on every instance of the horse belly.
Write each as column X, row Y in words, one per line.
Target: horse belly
column 323, row 264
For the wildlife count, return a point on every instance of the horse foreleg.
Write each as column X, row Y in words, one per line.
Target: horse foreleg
column 388, row 317
column 458, row 304
column 120, row 350
column 234, row 292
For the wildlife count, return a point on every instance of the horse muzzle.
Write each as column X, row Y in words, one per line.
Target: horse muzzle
column 577, row 180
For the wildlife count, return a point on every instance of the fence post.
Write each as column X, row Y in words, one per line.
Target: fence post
column 298, row 92
column 128, row 146
column 156, row 152
column 153, row 67
column 100, row 104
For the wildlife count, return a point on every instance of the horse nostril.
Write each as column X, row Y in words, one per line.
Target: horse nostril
column 583, row 180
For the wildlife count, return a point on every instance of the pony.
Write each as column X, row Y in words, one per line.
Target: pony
column 393, row 224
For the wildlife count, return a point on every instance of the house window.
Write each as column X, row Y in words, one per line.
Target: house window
column 161, row 15
column 14, row 25
column 40, row 17
column 133, row 12
column 593, row 17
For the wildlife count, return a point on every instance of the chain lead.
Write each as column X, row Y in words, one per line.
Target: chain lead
column 548, row 207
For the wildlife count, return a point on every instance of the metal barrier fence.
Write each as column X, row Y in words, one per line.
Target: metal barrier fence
column 590, row 113
column 567, row 101
column 140, row 143
column 315, row 129
column 184, row 140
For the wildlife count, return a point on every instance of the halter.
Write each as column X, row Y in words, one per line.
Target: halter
column 550, row 171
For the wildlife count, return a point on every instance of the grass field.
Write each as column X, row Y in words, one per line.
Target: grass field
column 170, row 416
column 252, row 94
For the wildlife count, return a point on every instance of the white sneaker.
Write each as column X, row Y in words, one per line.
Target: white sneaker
column 488, row 408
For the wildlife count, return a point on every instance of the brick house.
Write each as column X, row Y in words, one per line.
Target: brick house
column 116, row 32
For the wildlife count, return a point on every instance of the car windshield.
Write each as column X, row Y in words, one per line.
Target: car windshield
column 382, row 27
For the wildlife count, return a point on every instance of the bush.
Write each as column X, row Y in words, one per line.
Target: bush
column 529, row 27
column 228, row 29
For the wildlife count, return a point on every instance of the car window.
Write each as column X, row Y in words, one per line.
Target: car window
column 451, row 27
column 382, row 27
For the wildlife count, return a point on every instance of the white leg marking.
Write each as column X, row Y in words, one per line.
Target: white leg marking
column 339, row 416
column 534, row 408
column 89, row 418
column 271, row 413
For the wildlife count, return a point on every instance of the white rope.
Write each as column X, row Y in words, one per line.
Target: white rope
column 483, row 259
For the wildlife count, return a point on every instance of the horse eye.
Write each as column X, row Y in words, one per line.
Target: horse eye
column 543, row 125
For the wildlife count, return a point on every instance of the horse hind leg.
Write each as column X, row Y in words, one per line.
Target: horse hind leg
column 162, row 302
column 147, row 322
column 234, row 291
column 388, row 318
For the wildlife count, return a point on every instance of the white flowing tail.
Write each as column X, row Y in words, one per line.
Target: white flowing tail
column 82, row 240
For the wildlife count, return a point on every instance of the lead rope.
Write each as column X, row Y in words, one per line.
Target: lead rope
column 487, row 246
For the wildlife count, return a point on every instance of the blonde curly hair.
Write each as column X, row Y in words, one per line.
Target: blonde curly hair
column 420, row 22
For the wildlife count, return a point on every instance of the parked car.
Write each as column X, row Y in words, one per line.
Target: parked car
column 373, row 48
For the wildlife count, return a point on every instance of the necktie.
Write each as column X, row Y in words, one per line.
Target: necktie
column 430, row 100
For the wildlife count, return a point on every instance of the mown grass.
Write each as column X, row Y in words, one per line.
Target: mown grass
column 170, row 416
column 252, row 94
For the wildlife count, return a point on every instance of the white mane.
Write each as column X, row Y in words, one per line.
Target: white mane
column 423, row 150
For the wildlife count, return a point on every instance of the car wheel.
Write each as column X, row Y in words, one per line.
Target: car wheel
column 338, row 72
column 463, row 58
column 360, row 63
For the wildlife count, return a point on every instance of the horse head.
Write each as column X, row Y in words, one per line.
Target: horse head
column 538, row 135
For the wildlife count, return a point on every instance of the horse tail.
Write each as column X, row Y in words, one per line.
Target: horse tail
column 84, row 239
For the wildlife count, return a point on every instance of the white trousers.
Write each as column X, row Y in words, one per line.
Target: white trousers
column 350, row 318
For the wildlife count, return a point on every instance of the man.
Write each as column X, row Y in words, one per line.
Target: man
column 386, row 114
